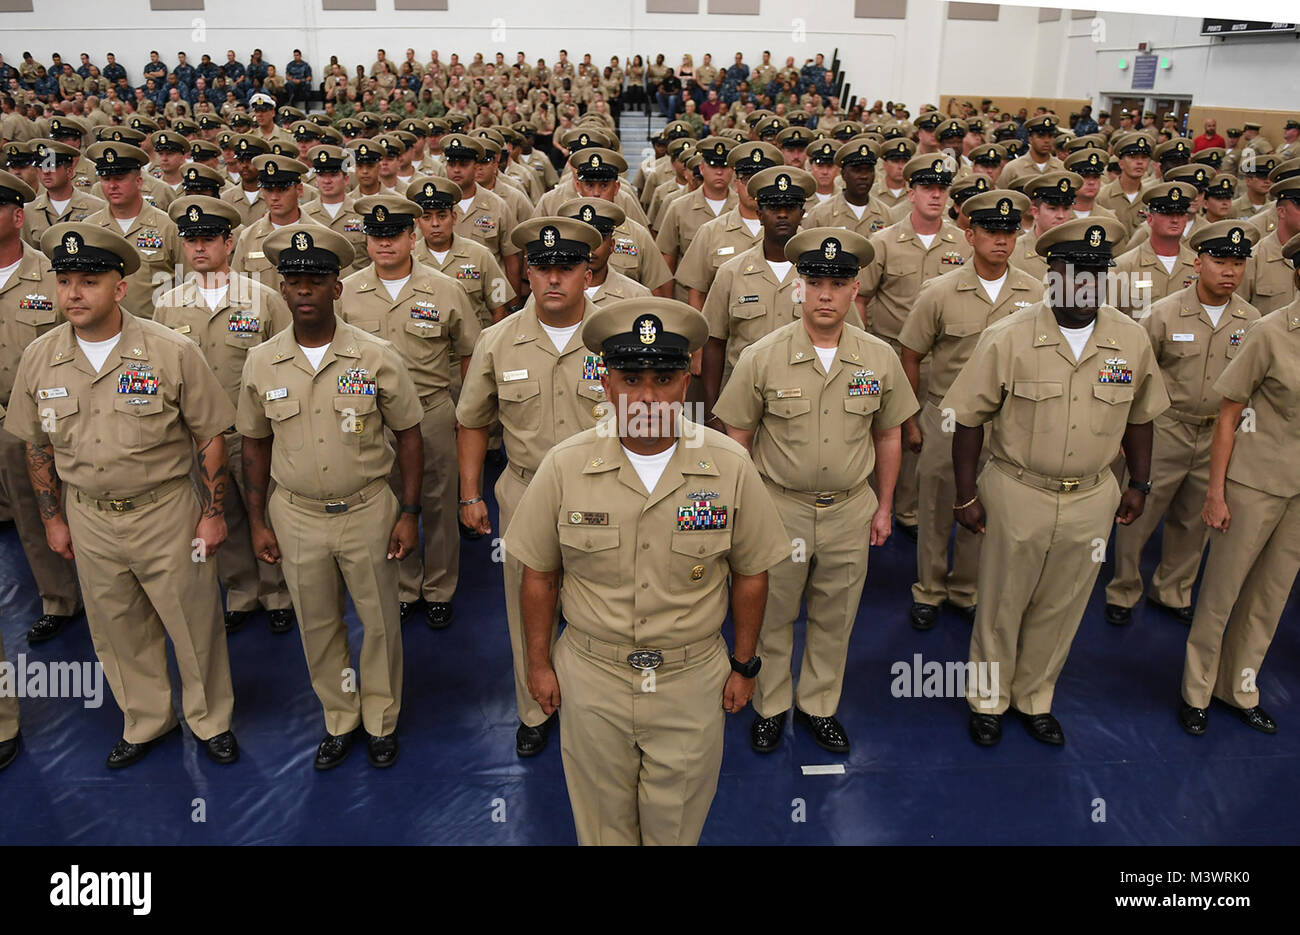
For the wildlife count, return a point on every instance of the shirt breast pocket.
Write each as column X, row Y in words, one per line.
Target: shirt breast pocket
column 1110, row 408
column 859, row 414
column 38, row 320
column 59, row 422
column 590, row 552
column 425, row 340
column 370, row 325
column 748, row 322
column 962, row 329
column 1031, row 406
column 698, row 560
column 286, row 423
column 358, row 418
column 521, row 402
column 145, row 422
column 594, row 394
column 903, row 275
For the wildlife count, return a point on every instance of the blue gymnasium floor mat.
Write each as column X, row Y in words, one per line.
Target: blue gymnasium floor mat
column 913, row 776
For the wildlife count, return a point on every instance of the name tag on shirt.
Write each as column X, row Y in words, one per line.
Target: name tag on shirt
column 789, row 394
column 281, row 393
column 726, row 251
column 54, row 392
column 183, row 329
column 1184, row 337
column 511, row 375
column 256, row 255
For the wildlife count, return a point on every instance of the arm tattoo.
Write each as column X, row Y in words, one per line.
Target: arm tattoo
column 45, row 482
column 212, row 490
column 254, row 490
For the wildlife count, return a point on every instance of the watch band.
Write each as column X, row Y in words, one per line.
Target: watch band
column 414, row 510
column 747, row 669
column 1143, row 486
column 470, row 501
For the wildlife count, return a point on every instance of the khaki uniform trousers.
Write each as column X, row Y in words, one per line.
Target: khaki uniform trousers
column 936, row 494
column 248, row 582
column 142, row 584
column 56, row 577
column 906, row 495
column 829, row 576
column 510, row 489
column 641, row 759
column 8, row 707
column 327, row 556
column 434, row 577
column 1247, row 583
column 1180, row 476
column 1036, row 572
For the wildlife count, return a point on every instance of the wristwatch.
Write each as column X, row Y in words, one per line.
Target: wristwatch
column 413, row 510
column 1143, row 486
column 747, row 669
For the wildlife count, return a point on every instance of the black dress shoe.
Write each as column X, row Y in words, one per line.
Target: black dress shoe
column 235, row 620
column 383, row 751
column 985, row 729
column 827, row 732
column 765, row 733
column 405, row 609
column 1119, row 616
column 467, row 533
column 8, row 750
column 1194, row 720
column 48, row 627
column 282, row 620
column 333, row 750
column 1044, row 727
column 438, row 614
column 222, row 748
column 1181, row 614
column 923, row 616
column 530, row 741
column 125, row 753
column 1257, row 718
column 966, row 612
column 907, row 529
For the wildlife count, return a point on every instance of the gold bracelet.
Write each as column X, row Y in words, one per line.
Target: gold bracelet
column 962, row 506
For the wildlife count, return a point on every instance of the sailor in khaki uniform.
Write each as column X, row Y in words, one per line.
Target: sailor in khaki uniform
column 685, row 216
column 226, row 314
column 950, row 314
column 1268, row 283
column 605, row 170
column 1042, row 131
column 336, row 208
column 853, row 208
column 426, row 315
column 1090, row 165
column 247, row 195
column 59, row 200
column 918, row 248
column 756, row 292
column 818, row 403
column 529, row 371
column 1051, row 197
column 28, row 309
column 891, row 187
column 1195, row 333
column 1163, row 263
column 1124, row 195
column 738, row 230
column 1253, row 502
column 317, row 402
column 148, row 229
column 646, row 529
column 280, row 179
column 1063, row 386
column 482, row 216
column 114, row 407
column 604, row 285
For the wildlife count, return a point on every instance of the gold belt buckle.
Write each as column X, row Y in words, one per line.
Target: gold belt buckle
column 1069, row 485
column 825, row 499
column 120, row 506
